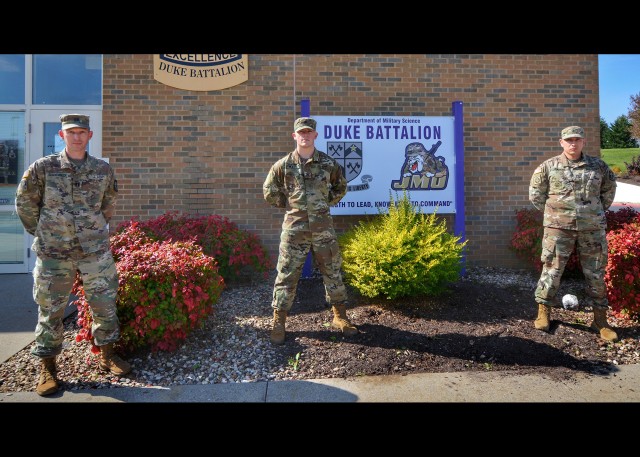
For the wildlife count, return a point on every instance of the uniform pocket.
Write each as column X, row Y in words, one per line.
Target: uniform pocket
column 548, row 249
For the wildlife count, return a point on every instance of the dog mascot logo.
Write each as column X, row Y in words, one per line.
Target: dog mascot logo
column 422, row 169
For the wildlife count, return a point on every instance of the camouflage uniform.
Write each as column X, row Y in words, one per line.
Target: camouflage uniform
column 309, row 187
column 574, row 196
column 67, row 207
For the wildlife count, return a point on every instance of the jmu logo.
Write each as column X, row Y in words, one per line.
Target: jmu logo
column 422, row 169
column 349, row 156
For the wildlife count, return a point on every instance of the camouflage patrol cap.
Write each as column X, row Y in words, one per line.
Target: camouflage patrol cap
column 572, row 132
column 70, row 121
column 304, row 123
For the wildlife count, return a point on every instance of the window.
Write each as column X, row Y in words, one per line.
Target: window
column 12, row 81
column 67, row 79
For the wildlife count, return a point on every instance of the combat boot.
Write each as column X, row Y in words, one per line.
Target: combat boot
column 544, row 317
column 340, row 320
column 279, row 320
column 601, row 325
column 110, row 361
column 47, row 383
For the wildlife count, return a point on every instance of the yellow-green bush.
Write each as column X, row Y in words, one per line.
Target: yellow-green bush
column 401, row 253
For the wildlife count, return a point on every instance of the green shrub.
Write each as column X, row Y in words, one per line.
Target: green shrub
column 401, row 253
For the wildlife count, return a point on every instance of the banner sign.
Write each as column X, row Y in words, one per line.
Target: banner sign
column 201, row 72
column 383, row 156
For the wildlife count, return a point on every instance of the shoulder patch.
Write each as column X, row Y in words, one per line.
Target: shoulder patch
column 115, row 185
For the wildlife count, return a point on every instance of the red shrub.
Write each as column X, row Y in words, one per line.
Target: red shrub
column 526, row 241
column 235, row 250
column 623, row 270
column 166, row 290
column 623, row 236
column 616, row 219
column 172, row 270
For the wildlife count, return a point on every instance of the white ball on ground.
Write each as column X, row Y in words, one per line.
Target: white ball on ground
column 570, row 301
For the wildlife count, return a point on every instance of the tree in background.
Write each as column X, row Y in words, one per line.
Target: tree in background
column 620, row 135
column 634, row 116
column 605, row 132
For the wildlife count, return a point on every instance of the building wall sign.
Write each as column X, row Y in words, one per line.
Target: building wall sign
column 201, row 72
column 383, row 156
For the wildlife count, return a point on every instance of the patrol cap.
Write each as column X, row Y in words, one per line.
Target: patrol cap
column 304, row 123
column 572, row 132
column 70, row 121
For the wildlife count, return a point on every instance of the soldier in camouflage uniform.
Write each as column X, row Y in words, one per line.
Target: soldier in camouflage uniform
column 307, row 182
column 65, row 200
column 573, row 190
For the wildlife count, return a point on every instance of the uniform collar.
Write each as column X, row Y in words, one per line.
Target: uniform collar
column 66, row 162
column 565, row 160
column 300, row 158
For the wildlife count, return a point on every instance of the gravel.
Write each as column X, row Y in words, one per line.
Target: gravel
column 233, row 346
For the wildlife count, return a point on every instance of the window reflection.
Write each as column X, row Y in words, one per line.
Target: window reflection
column 11, row 151
column 11, row 239
column 12, row 81
column 67, row 79
column 11, row 166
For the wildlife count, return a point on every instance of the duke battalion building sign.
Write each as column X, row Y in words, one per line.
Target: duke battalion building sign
column 201, row 72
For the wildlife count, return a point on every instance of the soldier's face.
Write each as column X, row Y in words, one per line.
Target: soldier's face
column 76, row 139
column 572, row 147
column 305, row 137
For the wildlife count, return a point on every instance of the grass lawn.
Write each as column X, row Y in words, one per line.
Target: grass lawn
column 616, row 158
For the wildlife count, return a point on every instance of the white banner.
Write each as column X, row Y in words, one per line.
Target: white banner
column 383, row 156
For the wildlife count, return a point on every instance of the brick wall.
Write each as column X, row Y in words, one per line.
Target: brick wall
column 209, row 152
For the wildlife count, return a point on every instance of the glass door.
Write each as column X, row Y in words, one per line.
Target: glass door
column 13, row 252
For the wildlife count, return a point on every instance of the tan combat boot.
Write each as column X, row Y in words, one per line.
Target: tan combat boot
column 544, row 318
column 47, row 383
column 279, row 320
column 110, row 361
column 340, row 320
column 601, row 325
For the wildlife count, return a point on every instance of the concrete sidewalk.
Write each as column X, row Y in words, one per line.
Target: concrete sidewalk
column 622, row 384
column 19, row 314
column 626, row 195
